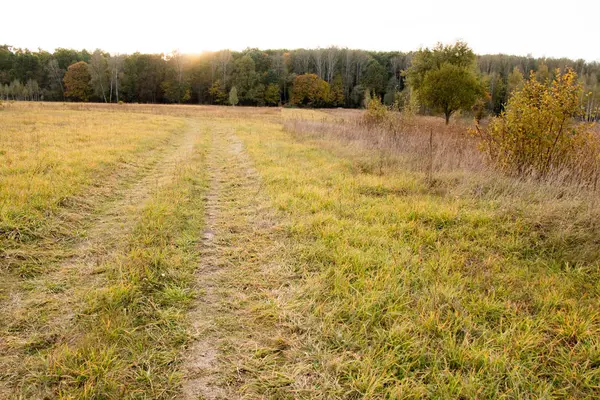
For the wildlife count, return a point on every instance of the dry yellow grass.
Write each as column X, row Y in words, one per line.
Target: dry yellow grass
column 51, row 153
column 466, row 284
column 342, row 261
column 74, row 184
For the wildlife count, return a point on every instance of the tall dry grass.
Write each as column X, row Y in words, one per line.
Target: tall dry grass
column 447, row 161
column 425, row 144
column 419, row 143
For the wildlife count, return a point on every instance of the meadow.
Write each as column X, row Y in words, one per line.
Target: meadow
column 154, row 251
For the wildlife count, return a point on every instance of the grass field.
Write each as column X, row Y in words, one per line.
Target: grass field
column 212, row 252
column 49, row 154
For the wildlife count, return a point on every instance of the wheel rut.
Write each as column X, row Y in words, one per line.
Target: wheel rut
column 235, row 219
column 200, row 365
column 44, row 312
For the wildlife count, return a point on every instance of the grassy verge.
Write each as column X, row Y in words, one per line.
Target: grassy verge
column 128, row 337
column 485, row 289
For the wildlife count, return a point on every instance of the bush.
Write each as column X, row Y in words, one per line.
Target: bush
column 538, row 132
column 377, row 113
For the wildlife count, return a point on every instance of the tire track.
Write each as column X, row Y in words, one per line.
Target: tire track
column 239, row 255
column 42, row 315
column 200, row 365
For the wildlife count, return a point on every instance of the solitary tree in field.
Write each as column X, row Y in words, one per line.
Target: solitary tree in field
column 233, row 97
column 77, row 81
column 445, row 79
column 450, row 88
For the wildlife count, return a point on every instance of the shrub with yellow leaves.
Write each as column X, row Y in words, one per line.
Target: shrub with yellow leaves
column 377, row 112
column 538, row 133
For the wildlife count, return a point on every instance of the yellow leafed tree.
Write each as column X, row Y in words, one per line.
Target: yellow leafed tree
column 539, row 131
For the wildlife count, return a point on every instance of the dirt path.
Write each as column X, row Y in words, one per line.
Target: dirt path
column 239, row 278
column 239, row 254
column 40, row 312
column 201, row 360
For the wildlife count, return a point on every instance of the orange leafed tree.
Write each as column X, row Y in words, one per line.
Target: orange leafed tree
column 77, row 81
column 310, row 90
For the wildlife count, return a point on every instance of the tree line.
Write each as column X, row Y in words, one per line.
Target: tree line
column 322, row 77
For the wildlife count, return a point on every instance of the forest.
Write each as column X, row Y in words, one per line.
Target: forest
column 334, row 77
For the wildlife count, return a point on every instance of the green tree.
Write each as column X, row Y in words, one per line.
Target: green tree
column 375, row 78
column 450, row 88
column 391, row 91
column 217, row 92
column 256, row 95
column 272, row 94
column 426, row 60
column 246, row 79
column 233, row 97
column 77, row 81
column 445, row 79
column 66, row 57
column 56, row 87
column 176, row 87
column 98, row 69
column 497, row 93
column 357, row 95
column 143, row 76
column 336, row 93
column 17, row 90
column 515, row 81
column 176, row 92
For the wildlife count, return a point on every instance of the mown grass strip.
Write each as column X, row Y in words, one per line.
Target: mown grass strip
column 128, row 339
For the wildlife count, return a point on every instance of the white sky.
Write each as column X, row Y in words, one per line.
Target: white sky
column 542, row 27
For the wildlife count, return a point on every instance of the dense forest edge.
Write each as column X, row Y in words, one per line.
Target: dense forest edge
column 330, row 77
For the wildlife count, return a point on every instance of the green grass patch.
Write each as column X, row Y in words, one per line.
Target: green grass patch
column 412, row 292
